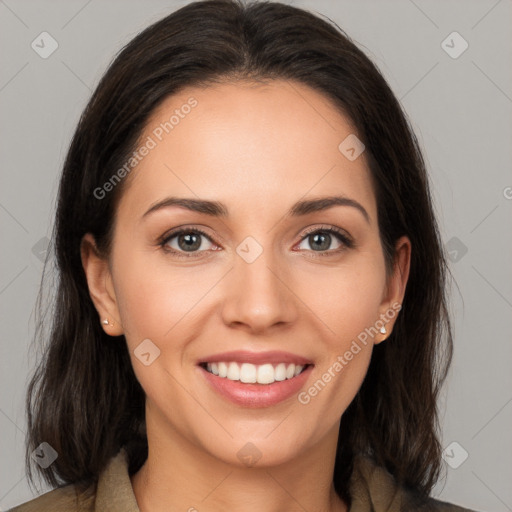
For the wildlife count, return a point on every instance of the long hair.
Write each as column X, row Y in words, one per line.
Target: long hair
column 84, row 399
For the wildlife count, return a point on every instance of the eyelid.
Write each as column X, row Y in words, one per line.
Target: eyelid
column 327, row 228
column 180, row 229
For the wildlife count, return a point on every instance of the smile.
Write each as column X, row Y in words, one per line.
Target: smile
column 254, row 374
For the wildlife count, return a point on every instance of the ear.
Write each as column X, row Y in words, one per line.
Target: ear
column 101, row 288
column 395, row 290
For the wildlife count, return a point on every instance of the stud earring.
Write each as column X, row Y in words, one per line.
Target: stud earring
column 106, row 322
column 383, row 330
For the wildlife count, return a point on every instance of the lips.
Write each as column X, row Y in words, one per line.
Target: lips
column 256, row 395
column 255, row 379
column 257, row 358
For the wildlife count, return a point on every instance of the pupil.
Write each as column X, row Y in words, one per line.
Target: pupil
column 192, row 241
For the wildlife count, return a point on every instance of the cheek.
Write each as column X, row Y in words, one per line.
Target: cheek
column 347, row 301
column 156, row 300
column 346, row 298
column 154, row 304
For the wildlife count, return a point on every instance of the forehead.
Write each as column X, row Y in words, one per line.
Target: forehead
column 248, row 145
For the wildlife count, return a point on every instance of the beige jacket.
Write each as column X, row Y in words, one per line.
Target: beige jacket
column 372, row 488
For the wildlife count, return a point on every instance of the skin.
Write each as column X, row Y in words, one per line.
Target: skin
column 258, row 149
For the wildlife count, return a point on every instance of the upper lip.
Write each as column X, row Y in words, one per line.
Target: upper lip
column 244, row 356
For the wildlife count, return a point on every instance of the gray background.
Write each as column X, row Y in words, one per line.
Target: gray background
column 460, row 109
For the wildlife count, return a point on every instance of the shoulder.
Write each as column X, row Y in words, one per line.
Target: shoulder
column 62, row 499
column 113, row 490
column 434, row 505
column 373, row 484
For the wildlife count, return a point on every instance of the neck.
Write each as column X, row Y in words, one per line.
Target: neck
column 181, row 476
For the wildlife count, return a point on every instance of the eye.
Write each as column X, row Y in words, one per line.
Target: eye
column 183, row 241
column 320, row 240
column 190, row 243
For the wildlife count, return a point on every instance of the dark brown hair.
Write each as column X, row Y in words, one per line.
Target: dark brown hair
column 84, row 399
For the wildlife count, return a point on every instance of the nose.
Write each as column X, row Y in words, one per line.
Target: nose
column 259, row 296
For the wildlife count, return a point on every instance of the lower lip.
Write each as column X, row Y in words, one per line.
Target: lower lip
column 257, row 395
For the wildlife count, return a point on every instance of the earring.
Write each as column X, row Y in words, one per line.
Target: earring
column 383, row 330
column 106, row 322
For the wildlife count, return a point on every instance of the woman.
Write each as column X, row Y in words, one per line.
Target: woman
column 251, row 310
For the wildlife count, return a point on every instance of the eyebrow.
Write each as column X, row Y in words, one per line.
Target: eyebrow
column 218, row 209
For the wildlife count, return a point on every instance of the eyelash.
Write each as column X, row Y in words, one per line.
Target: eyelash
column 332, row 230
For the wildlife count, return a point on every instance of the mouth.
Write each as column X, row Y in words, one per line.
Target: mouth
column 255, row 379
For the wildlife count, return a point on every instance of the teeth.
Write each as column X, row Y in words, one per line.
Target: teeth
column 280, row 372
column 251, row 373
column 233, row 371
column 265, row 374
column 223, row 369
column 248, row 373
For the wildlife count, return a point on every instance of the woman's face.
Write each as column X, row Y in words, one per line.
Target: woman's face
column 265, row 277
